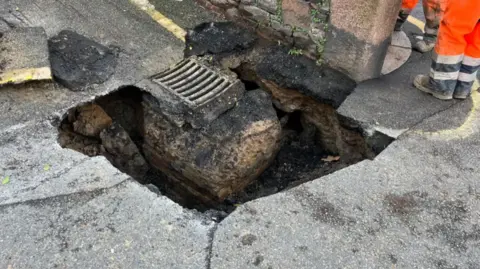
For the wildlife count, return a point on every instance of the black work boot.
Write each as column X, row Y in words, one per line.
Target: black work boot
column 422, row 83
column 424, row 46
column 428, row 41
column 401, row 19
column 466, row 79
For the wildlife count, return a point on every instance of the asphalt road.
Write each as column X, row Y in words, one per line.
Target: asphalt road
column 186, row 13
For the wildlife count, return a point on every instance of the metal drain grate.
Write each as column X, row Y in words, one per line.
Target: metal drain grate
column 195, row 83
column 192, row 91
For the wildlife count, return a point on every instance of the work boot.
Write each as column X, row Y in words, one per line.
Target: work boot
column 463, row 90
column 423, row 46
column 466, row 78
column 422, row 83
column 464, row 94
column 398, row 26
column 401, row 19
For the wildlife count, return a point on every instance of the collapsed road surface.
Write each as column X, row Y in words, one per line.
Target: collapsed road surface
column 198, row 134
column 414, row 205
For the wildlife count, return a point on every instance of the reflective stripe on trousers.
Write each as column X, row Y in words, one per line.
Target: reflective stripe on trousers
column 456, row 59
column 445, row 71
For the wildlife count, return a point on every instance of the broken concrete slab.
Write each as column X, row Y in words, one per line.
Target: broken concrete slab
column 324, row 84
column 126, row 226
column 38, row 167
column 415, row 206
column 24, row 55
column 78, row 61
column 35, row 101
column 391, row 104
column 457, row 122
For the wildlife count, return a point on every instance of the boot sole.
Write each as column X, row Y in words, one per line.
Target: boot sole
column 422, row 48
column 424, row 89
column 461, row 97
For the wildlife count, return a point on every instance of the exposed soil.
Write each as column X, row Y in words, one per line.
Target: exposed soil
column 297, row 162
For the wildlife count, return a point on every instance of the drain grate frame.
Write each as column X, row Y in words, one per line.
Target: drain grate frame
column 193, row 82
column 192, row 91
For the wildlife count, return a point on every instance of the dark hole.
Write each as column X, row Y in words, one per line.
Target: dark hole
column 299, row 159
column 251, row 85
column 294, row 121
column 280, row 113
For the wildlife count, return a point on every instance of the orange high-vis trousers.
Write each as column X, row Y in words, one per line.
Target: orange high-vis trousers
column 409, row 4
column 433, row 11
column 457, row 52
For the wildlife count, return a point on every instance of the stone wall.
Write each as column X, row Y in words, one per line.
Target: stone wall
column 300, row 24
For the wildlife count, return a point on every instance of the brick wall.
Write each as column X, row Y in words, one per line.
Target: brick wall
column 298, row 23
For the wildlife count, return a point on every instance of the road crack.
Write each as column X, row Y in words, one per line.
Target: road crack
column 211, row 237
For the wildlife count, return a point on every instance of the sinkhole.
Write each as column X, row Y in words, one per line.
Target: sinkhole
column 221, row 129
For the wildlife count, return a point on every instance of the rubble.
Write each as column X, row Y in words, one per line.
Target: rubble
column 90, row 120
column 296, row 83
column 200, row 165
column 332, row 135
column 122, row 151
column 78, row 61
column 217, row 38
column 221, row 158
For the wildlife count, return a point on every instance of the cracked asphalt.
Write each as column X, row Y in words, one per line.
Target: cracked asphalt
column 415, row 206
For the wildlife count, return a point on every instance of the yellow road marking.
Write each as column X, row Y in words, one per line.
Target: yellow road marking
column 469, row 126
column 420, row 24
column 165, row 22
column 23, row 75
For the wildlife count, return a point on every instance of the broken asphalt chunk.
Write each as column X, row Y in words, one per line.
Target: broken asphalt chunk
column 217, row 38
column 78, row 61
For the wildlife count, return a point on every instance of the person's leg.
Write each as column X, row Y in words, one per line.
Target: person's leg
column 459, row 20
column 470, row 64
column 407, row 7
column 433, row 10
